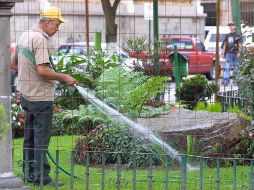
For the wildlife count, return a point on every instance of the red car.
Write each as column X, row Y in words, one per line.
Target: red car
column 200, row 61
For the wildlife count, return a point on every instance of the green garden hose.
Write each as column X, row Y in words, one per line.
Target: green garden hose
column 61, row 168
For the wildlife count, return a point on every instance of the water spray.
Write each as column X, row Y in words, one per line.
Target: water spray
column 120, row 118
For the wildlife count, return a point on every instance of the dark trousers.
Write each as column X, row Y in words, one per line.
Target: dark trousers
column 37, row 133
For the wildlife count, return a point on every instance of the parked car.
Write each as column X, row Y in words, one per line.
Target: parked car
column 80, row 49
column 14, row 74
column 210, row 41
column 200, row 61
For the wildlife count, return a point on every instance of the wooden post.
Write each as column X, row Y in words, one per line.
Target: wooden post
column 217, row 61
column 87, row 25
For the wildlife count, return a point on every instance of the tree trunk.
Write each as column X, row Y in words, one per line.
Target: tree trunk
column 111, row 31
column 110, row 16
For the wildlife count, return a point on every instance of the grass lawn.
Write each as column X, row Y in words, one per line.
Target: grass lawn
column 66, row 143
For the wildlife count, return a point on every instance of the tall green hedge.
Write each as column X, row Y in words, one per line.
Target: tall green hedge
column 246, row 80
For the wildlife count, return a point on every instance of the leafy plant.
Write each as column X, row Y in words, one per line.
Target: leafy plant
column 191, row 146
column 240, row 112
column 246, row 145
column 85, row 69
column 98, row 61
column 246, row 82
column 149, row 112
column 79, row 121
column 68, row 97
column 212, row 150
column 214, row 107
column 196, row 90
column 115, row 139
column 128, row 91
column 136, row 45
column 200, row 106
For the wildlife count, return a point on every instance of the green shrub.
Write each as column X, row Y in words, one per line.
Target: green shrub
column 239, row 112
column 95, row 63
column 196, row 90
column 191, row 146
column 214, row 107
column 128, row 91
column 79, row 121
column 246, row 82
column 234, row 109
column 115, row 139
column 245, row 147
column 136, row 45
column 200, row 106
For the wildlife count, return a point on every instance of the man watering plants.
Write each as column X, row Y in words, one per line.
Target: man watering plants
column 37, row 83
column 231, row 51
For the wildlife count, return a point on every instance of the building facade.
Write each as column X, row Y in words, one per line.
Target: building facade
column 178, row 19
column 246, row 7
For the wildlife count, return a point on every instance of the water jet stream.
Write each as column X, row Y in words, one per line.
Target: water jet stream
column 119, row 117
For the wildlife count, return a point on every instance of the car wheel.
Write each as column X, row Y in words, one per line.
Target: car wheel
column 211, row 74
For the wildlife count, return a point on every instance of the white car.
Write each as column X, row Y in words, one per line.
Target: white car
column 210, row 41
column 80, row 49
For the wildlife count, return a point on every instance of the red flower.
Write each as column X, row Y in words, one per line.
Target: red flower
column 18, row 101
column 250, row 134
column 173, row 108
column 57, row 108
column 84, row 146
column 21, row 120
column 83, row 153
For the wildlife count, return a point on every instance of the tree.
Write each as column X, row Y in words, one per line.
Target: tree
column 110, row 16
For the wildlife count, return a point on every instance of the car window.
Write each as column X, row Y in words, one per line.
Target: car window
column 78, row 50
column 181, row 44
column 213, row 37
column 64, row 49
column 200, row 45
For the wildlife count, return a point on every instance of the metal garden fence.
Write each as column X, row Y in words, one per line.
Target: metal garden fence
column 231, row 99
column 206, row 173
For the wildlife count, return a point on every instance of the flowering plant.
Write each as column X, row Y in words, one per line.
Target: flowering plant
column 17, row 115
column 113, row 139
column 246, row 145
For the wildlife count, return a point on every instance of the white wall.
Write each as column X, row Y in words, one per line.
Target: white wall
column 173, row 19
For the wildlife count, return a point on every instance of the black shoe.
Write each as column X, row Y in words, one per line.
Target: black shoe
column 48, row 181
column 56, row 184
column 30, row 179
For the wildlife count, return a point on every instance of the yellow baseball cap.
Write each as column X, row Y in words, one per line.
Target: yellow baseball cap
column 53, row 12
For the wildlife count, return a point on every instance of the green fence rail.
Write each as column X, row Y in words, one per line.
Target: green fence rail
column 231, row 99
column 207, row 172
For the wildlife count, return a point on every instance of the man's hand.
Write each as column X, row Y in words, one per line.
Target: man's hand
column 223, row 55
column 70, row 80
column 238, row 54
